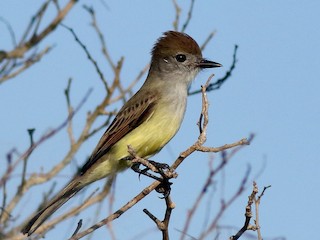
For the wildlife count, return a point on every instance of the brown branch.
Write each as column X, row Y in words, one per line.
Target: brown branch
column 10, row 73
column 163, row 225
column 35, row 17
column 36, row 38
column 90, row 200
column 40, row 178
column 29, row 40
column 257, row 220
column 4, row 202
column 177, row 15
column 132, row 84
column 248, row 213
column 37, row 179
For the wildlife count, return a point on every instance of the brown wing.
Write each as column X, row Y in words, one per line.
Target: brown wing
column 131, row 115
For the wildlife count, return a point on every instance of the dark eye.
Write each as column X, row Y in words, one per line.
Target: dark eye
column 181, row 57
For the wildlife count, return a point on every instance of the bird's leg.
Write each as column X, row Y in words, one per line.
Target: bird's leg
column 164, row 186
column 159, row 166
column 136, row 167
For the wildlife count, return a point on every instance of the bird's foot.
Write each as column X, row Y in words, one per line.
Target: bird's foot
column 161, row 168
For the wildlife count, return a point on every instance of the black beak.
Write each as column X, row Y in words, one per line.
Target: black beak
column 208, row 64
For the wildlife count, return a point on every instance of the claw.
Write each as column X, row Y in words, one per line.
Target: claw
column 164, row 186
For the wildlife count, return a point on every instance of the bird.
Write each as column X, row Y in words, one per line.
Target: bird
column 147, row 121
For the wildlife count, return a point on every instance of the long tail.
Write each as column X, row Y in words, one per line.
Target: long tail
column 63, row 196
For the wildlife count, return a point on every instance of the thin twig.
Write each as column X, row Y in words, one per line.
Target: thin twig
column 217, row 84
column 257, row 220
column 79, row 225
column 248, row 214
column 37, row 179
column 185, row 25
column 226, row 204
column 25, row 160
column 8, row 74
column 132, row 84
column 36, row 38
column 95, row 25
column 208, row 39
column 11, row 32
column 163, row 225
column 70, row 111
column 94, row 62
column 177, row 16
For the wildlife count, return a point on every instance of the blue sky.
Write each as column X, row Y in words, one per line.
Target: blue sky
column 273, row 93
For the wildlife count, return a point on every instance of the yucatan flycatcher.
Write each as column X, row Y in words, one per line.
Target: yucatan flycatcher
column 147, row 122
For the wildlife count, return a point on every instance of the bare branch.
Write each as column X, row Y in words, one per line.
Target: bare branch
column 185, row 25
column 34, row 179
column 11, row 73
column 25, row 160
column 177, row 16
column 30, row 40
column 226, row 204
column 36, row 38
column 163, row 225
column 11, row 32
column 208, row 39
column 70, row 111
column 94, row 24
column 248, row 214
column 217, row 84
column 94, row 62
column 78, row 227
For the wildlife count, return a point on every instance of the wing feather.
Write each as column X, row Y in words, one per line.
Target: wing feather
column 131, row 115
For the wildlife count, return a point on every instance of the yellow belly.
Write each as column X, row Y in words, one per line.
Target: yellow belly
column 147, row 139
column 150, row 136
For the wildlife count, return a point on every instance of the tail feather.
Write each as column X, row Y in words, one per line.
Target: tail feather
column 62, row 197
